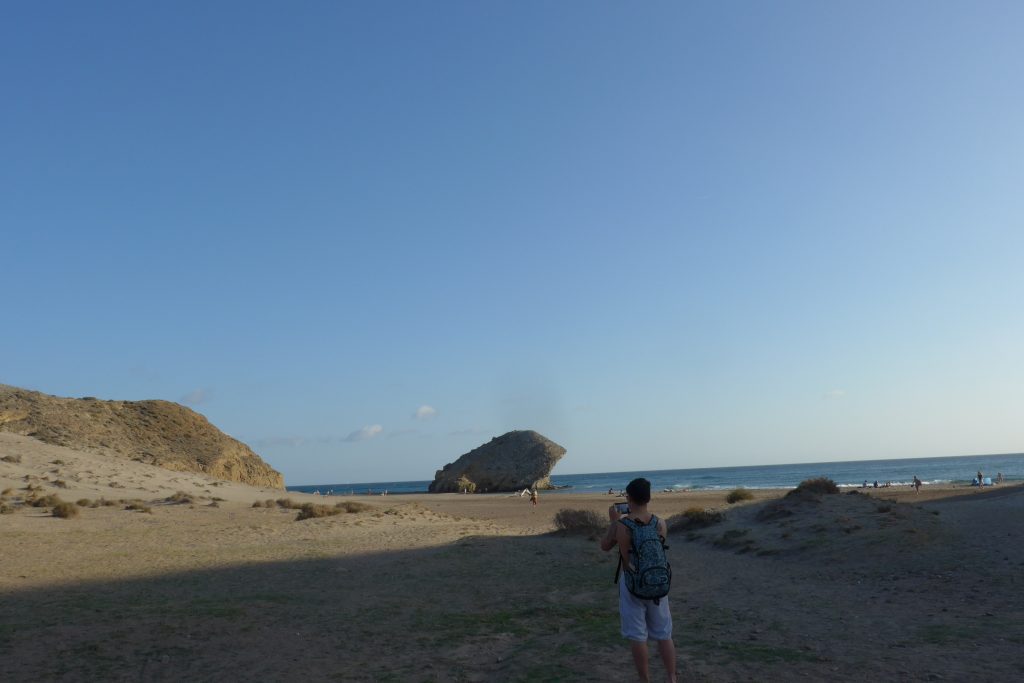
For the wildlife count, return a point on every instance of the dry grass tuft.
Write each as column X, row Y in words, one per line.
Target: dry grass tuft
column 140, row 506
column 65, row 510
column 353, row 506
column 13, row 459
column 179, row 498
column 313, row 511
column 737, row 495
column 584, row 522
column 83, row 503
column 6, row 492
column 6, row 509
column 816, row 486
column 288, row 504
column 46, row 501
column 59, row 483
column 694, row 518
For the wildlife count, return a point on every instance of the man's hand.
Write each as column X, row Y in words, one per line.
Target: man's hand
column 613, row 513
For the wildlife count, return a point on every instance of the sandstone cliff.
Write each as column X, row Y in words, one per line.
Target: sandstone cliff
column 510, row 462
column 155, row 432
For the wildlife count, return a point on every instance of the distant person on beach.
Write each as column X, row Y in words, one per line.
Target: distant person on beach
column 917, row 484
column 534, row 496
column 641, row 619
column 981, row 480
column 999, row 477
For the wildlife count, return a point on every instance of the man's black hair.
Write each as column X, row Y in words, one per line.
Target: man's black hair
column 639, row 491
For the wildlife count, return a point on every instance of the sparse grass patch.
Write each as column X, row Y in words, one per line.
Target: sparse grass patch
column 584, row 522
column 257, row 504
column 65, row 510
column 313, row 511
column 139, row 506
column 6, row 492
column 13, row 459
column 59, row 483
column 103, row 502
column 83, row 503
column 694, row 518
column 6, row 509
column 738, row 494
column 352, row 506
column 287, row 504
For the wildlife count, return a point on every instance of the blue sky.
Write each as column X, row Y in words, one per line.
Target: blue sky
column 366, row 237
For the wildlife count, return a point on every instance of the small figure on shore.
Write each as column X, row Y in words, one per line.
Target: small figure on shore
column 876, row 483
column 533, row 497
column 917, row 484
column 981, row 480
column 999, row 477
column 865, row 484
column 611, row 492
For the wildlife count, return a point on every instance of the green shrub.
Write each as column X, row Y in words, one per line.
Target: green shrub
column 584, row 522
column 312, row 511
column 65, row 510
column 737, row 495
column 694, row 518
column 816, row 486
column 465, row 485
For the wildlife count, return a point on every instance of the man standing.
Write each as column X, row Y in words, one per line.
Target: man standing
column 641, row 619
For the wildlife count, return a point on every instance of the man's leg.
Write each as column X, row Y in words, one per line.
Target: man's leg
column 639, row 648
column 667, row 650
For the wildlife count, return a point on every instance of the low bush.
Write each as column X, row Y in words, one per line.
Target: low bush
column 313, row 511
column 257, row 504
column 59, row 483
column 6, row 492
column 65, row 510
column 737, row 495
column 103, row 502
column 83, row 503
column 584, row 522
column 816, row 486
column 138, row 505
column 353, row 506
column 14, row 459
column 694, row 518
column 287, row 504
column 268, row 503
column 6, row 509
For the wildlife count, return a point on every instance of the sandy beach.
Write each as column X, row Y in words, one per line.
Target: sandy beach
column 881, row 584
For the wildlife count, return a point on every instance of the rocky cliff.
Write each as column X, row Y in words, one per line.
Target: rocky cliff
column 510, row 462
column 156, row 432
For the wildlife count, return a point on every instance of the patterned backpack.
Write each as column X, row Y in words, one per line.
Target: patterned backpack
column 653, row 575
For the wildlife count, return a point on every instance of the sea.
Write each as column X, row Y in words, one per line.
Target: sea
column 946, row 470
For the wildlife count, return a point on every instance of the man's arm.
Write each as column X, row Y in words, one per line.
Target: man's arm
column 611, row 536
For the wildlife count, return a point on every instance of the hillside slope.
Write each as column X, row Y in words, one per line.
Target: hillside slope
column 155, row 432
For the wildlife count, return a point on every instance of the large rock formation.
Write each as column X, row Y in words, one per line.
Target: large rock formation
column 510, row 462
column 156, row 432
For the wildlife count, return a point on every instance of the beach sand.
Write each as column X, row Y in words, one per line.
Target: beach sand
column 880, row 585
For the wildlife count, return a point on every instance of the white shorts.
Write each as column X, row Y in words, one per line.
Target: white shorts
column 642, row 620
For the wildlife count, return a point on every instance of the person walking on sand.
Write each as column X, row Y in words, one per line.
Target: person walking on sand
column 641, row 619
column 534, row 496
column 917, row 484
column 981, row 481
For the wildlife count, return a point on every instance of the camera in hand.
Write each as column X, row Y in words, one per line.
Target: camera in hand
column 622, row 508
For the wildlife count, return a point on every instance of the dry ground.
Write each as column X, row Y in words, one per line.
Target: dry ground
column 478, row 588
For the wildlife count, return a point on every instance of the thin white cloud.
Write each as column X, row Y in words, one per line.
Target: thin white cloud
column 195, row 398
column 364, row 434
column 834, row 394
column 425, row 412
